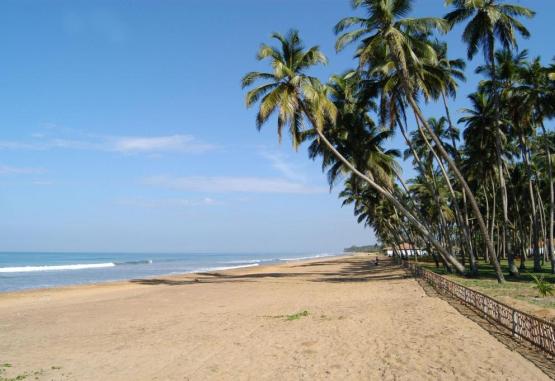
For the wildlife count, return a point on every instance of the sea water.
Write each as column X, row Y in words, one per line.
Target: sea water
column 39, row 270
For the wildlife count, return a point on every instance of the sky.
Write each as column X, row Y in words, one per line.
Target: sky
column 123, row 127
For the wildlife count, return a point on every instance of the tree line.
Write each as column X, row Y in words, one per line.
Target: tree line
column 483, row 188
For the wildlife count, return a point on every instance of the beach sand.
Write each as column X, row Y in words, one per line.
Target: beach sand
column 364, row 322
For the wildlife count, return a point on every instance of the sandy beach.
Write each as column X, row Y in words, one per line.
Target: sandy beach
column 362, row 322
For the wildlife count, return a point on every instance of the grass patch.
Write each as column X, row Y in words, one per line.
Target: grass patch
column 3, row 376
column 521, row 288
column 21, row 376
column 291, row 317
column 298, row 315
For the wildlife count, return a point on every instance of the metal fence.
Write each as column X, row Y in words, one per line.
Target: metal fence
column 538, row 331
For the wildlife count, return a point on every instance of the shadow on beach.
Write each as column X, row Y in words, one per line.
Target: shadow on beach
column 350, row 270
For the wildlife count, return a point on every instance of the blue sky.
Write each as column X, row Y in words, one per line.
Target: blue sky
column 124, row 127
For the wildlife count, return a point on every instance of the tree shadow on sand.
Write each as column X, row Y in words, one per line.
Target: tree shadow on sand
column 351, row 270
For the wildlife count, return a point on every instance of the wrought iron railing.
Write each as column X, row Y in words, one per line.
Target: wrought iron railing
column 537, row 331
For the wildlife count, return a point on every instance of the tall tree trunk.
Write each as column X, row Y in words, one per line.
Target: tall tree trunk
column 535, row 227
column 422, row 170
column 550, row 250
column 463, row 228
column 494, row 206
column 541, row 212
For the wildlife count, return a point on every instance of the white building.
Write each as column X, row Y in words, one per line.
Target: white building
column 406, row 249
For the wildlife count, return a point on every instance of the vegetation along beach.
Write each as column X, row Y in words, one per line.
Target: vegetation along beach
column 152, row 234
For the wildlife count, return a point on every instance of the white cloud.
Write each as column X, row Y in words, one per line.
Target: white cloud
column 223, row 184
column 123, row 144
column 9, row 170
column 167, row 202
column 280, row 163
column 172, row 143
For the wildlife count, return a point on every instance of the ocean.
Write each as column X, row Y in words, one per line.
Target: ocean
column 19, row 271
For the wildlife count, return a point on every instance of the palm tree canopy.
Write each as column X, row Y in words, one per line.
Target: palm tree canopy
column 288, row 90
column 489, row 19
column 385, row 31
column 354, row 134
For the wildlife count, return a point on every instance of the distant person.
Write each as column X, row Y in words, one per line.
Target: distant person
column 376, row 262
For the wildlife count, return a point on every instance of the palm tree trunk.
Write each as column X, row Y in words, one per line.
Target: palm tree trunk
column 494, row 207
column 551, row 200
column 504, row 201
column 462, row 227
column 535, row 227
column 541, row 211
column 520, row 232
column 486, row 198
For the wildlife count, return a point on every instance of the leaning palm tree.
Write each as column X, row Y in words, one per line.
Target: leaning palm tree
column 355, row 135
column 449, row 71
column 386, row 29
column 293, row 96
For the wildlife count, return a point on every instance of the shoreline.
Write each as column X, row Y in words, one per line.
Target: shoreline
column 326, row 318
column 170, row 276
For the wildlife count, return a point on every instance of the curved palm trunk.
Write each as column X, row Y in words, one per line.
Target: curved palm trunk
column 466, row 188
column 474, row 205
column 396, row 203
column 422, row 168
column 462, row 227
column 463, row 218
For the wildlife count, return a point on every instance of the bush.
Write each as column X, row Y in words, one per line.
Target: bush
column 544, row 287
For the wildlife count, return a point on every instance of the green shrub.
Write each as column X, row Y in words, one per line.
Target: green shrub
column 544, row 287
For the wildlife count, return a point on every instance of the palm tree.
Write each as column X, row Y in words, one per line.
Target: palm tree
column 499, row 85
column 490, row 20
column 385, row 29
column 450, row 71
column 444, row 133
column 354, row 134
column 536, row 94
column 482, row 135
column 294, row 96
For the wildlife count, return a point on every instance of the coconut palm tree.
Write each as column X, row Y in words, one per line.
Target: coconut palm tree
column 490, row 20
column 354, row 134
column 482, row 136
column 535, row 93
column 450, row 71
column 500, row 86
column 293, row 96
column 386, row 30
